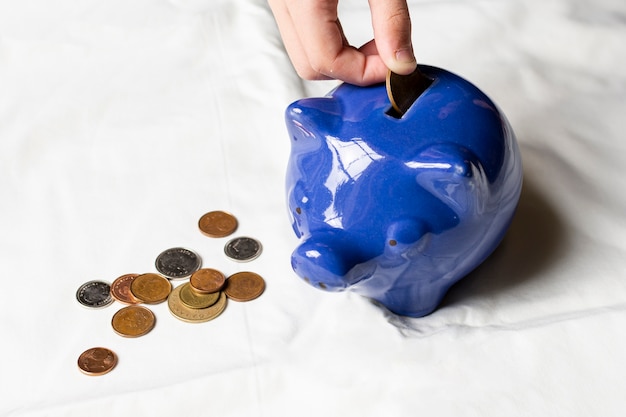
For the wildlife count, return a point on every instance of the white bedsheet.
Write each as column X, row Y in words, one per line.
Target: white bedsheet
column 121, row 123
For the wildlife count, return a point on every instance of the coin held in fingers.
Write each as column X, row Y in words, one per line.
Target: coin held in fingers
column 403, row 90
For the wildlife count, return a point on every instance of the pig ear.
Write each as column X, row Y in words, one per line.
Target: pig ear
column 454, row 174
column 405, row 231
column 312, row 117
column 447, row 157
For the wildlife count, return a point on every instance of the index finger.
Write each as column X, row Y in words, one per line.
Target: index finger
column 392, row 30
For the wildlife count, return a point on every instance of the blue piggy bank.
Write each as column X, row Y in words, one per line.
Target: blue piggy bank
column 398, row 209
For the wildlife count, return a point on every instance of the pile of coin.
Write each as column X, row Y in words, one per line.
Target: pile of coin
column 202, row 298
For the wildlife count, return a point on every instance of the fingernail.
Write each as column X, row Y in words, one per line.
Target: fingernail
column 405, row 56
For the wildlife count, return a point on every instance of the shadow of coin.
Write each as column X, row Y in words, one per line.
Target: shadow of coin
column 535, row 239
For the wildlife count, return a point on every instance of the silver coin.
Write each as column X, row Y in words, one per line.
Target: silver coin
column 178, row 263
column 94, row 294
column 243, row 249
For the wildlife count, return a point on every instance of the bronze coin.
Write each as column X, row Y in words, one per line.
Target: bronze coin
column 194, row 315
column 217, row 224
column 133, row 321
column 120, row 289
column 151, row 288
column 403, row 90
column 192, row 299
column 244, row 286
column 207, row 280
column 97, row 361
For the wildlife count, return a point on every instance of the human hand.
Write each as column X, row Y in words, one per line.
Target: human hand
column 319, row 50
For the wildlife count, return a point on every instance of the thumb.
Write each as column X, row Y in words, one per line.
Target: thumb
column 392, row 31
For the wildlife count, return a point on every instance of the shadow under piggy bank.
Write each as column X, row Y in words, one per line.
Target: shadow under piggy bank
column 533, row 242
column 399, row 208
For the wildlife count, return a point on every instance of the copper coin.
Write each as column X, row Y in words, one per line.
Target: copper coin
column 151, row 288
column 133, row 321
column 403, row 90
column 193, row 299
column 194, row 315
column 217, row 224
column 244, row 286
column 97, row 361
column 120, row 289
column 207, row 280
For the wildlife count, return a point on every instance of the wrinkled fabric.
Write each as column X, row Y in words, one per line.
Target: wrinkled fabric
column 121, row 123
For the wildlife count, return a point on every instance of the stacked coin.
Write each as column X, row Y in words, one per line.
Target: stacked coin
column 204, row 297
column 200, row 299
column 182, row 311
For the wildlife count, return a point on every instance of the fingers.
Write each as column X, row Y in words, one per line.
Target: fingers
column 318, row 49
column 294, row 47
column 317, row 46
column 392, row 30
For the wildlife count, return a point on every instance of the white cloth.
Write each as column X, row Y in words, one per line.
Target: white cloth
column 121, row 123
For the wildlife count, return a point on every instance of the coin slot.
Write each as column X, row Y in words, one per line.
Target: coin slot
column 393, row 113
column 403, row 91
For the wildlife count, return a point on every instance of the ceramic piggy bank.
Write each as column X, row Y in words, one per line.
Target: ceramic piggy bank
column 398, row 209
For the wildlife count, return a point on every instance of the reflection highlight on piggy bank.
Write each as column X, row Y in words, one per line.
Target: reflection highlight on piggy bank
column 398, row 209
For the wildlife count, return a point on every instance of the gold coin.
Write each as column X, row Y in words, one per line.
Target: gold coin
column 217, row 224
column 207, row 280
column 151, row 288
column 403, row 90
column 97, row 361
column 133, row 321
column 192, row 299
column 244, row 286
column 120, row 289
column 194, row 315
